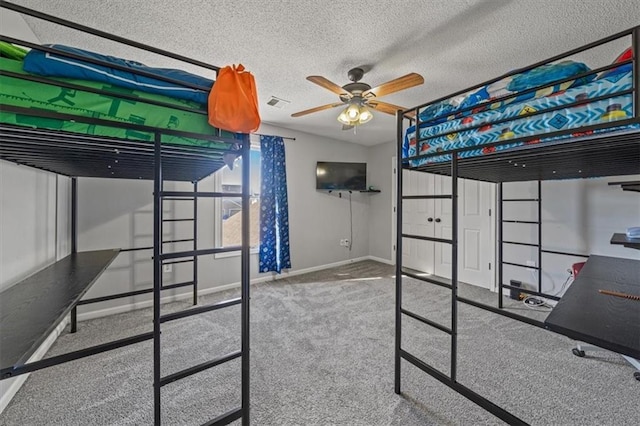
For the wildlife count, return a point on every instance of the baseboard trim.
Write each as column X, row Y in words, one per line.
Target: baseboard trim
column 318, row 268
column 17, row 382
column 202, row 292
column 381, row 260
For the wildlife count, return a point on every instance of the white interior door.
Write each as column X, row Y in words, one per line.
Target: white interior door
column 475, row 233
column 475, row 239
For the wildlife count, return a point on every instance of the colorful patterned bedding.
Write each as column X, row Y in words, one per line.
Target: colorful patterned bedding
column 48, row 97
column 454, row 133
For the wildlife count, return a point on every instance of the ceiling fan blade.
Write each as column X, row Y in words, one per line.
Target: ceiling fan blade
column 400, row 83
column 329, row 85
column 316, row 109
column 345, row 127
column 388, row 108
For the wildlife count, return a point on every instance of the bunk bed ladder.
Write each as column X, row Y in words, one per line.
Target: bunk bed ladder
column 450, row 379
column 162, row 258
column 194, row 259
column 452, row 329
column 501, row 242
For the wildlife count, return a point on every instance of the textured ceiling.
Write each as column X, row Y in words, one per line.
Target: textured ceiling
column 453, row 44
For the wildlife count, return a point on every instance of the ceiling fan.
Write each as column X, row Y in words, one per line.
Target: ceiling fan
column 359, row 97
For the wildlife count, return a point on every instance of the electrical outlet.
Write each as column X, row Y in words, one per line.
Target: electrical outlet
column 167, row 268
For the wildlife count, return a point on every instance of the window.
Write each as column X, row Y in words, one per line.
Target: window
column 228, row 210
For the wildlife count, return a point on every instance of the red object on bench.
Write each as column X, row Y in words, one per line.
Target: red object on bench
column 575, row 268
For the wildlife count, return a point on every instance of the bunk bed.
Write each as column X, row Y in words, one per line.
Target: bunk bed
column 76, row 127
column 556, row 119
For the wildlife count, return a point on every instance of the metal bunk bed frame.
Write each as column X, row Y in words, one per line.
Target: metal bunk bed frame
column 579, row 157
column 60, row 152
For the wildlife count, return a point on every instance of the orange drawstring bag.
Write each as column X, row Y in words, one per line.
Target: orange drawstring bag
column 233, row 101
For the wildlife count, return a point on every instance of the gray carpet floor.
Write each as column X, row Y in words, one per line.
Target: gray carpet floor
column 322, row 354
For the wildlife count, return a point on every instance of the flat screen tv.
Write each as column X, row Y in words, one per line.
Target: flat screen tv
column 341, row 176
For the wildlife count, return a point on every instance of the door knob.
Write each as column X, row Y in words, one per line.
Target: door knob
column 430, row 219
column 438, row 220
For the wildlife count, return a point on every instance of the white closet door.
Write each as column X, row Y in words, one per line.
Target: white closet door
column 443, row 226
column 474, row 233
column 417, row 254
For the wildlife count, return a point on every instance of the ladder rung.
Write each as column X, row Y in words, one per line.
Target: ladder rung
column 173, row 262
column 199, row 310
column 184, row 240
column 202, row 252
column 521, row 199
column 177, row 285
column 520, row 244
column 178, row 220
column 434, row 239
column 115, row 296
column 521, row 221
column 186, row 194
column 427, row 321
column 427, row 197
column 198, row 368
column 177, row 199
column 131, row 293
column 226, row 418
column 427, row 279
column 521, row 266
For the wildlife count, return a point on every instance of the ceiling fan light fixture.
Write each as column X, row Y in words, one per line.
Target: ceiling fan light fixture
column 362, row 115
column 344, row 118
column 353, row 111
column 365, row 115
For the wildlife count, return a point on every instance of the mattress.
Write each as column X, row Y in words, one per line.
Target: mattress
column 477, row 130
column 54, row 65
column 50, row 97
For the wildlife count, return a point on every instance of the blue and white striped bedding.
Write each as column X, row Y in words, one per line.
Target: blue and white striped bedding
column 451, row 134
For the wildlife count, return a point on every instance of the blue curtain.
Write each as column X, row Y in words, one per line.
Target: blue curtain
column 274, row 210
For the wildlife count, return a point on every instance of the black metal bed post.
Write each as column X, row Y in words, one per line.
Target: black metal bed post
column 500, row 231
column 399, row 122
column 245, row 279
column 539, row 236
column 157, row 273
column 635, row 43
column 74, row 241
column 454, row 265
column 195, row 242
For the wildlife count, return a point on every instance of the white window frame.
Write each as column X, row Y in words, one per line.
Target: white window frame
column 217, row 228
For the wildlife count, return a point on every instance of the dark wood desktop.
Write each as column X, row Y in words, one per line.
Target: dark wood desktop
column 586, row 314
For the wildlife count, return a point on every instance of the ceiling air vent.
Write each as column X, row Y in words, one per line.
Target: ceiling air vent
column 277, row 102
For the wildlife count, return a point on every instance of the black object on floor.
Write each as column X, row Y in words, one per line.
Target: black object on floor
column 513, row 293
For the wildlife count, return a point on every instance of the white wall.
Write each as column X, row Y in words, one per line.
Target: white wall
column 118, row 214
column 30, row 220
column 578, row 216
column 34, row 232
